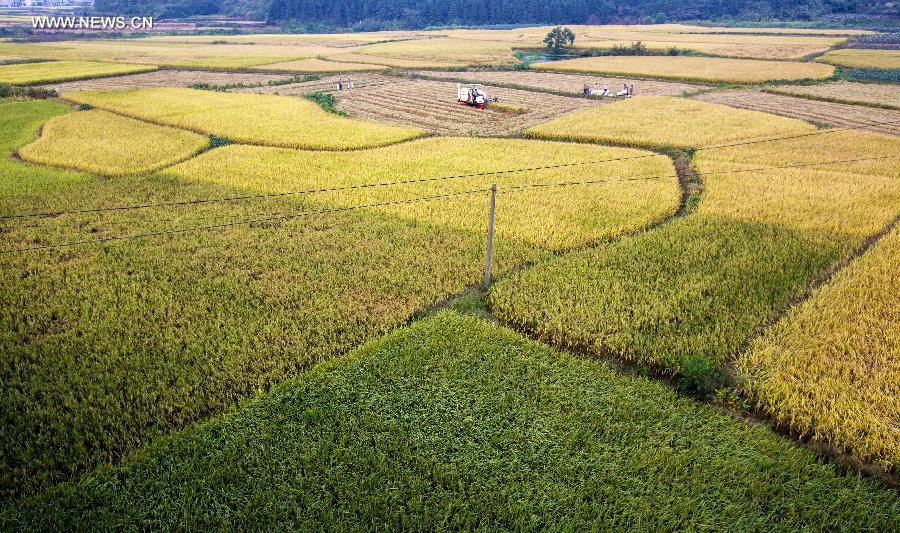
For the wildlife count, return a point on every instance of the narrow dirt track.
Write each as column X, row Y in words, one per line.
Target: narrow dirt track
column 827, row 113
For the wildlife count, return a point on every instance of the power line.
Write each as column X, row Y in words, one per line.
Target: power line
column 197, row 201
column 287, row 216
column 738, row 171
column 272, row 218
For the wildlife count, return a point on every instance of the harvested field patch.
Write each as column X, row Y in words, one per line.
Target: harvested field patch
column 662, row 120
column 454, row 413
column 317, row 65
column 819, row 112
column 831, row 367
column 863, row 58
column 432, row 105
column 845, row 92
column 324, row 84
column 702, row 69
column 562, row 83
column 50, row 71
column 109, row 144
column 166, row 78
column 267, row 120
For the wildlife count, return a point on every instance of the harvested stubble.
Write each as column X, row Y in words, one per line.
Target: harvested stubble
column 845, row 92
column 324, row 84
column 560, row 83
column 699, row 286
column 317, row 65
column 831, row 368
column 660, row 120
column 432, row 105
column 555, row 218
column 249, row 118
column 109, row 144
column 863, row 58
column 454, row 413
column 167, row 78
column 51, row 71
column 702, row 69
column 827, row 113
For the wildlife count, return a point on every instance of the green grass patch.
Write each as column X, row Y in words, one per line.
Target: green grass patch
column 455, row 424
column 327, row 102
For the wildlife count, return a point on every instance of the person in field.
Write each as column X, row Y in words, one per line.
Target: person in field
column 340, row 84
column 586, row 90
column 605, row 90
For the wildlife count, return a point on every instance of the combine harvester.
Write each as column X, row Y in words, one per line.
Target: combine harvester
column 473, row 96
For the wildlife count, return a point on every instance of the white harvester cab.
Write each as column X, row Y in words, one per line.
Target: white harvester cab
column 472, row 96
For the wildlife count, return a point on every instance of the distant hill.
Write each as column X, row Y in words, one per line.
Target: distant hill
column 410, row 14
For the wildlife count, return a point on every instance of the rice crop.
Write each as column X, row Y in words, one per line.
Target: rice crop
column 559, row 218
column 845, row 92
column 454, row 413
column 863, row 58
column 215, row 56
column 107, row 347
column 441, row 52
column 248, row 118
column 52, row 71
column 108, row 144
column 701, row 69
column 660, row 120
column 699, row 286
column 19, row 123
column 830, row 368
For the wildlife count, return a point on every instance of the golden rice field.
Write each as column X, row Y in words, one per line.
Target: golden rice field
column 701, row 69
column 222, row 56
column 52, row 71
column 863, row 58
column 663, row 120
column 109, row 144
column 332, row 40
column 557, row 218
column 845, row 92
column 830, row 369
column 761, row 45
column 440, row 52
column 848, row 201
column 267, row 120
column 699, row 286
column 317, row 65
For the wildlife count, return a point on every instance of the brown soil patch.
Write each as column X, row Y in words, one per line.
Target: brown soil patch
column 827, row 113
column 432, row 105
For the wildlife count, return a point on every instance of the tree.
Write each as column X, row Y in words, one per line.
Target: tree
column 558, row 39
